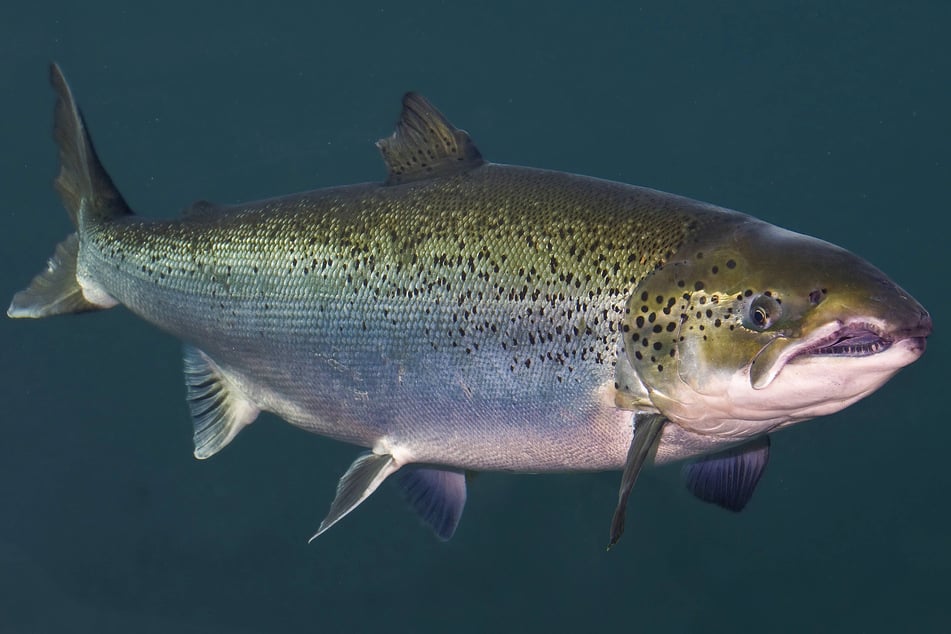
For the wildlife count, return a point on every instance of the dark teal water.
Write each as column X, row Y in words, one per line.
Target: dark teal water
column 828, row 118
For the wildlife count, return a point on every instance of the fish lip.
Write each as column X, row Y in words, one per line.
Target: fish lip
column 864, row 338
column 856, row 338
column 853, row 339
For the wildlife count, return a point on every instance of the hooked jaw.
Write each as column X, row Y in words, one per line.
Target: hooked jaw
column 857, row 338
column 863, row 338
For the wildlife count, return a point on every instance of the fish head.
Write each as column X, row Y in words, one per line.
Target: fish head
column 756, row 327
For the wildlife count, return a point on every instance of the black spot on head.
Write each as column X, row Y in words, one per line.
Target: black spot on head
column 658, row 328
column 637, row 353
column 731, row 264
column 816, row 296
column 652, row 317
column 639, row 321
column 709, row 313
column 658, row 345
column 681, row 283
column 671, row 326
column 660, row 299
column 644, row 296
column 747, row 293
column 698, row 286
column 715, row 270
column 660, row 368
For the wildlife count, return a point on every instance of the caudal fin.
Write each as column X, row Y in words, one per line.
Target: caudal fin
column 90, row 198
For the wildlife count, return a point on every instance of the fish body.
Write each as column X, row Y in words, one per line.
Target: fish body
column 465, row 315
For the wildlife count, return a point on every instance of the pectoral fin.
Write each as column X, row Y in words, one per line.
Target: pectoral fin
column 729, row 478
column 437, row 495
column 361, row 479
column 647, row 428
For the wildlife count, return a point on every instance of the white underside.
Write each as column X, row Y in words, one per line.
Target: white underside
column 94, row 293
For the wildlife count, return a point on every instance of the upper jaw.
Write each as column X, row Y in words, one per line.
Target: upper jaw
column 858, row 337
column 854, row 339
column 863, row 337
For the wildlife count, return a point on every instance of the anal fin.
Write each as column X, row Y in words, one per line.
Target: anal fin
column 437, row 495
column 728, row 478
column 219, row 410
column 362, row 478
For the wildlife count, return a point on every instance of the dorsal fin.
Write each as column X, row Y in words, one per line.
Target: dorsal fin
column 426, row 145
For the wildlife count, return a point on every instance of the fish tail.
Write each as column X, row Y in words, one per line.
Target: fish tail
column 90, row 198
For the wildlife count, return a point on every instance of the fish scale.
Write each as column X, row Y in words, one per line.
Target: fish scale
column 395, row 292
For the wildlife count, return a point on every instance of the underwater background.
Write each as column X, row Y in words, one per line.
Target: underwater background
column 829, row 118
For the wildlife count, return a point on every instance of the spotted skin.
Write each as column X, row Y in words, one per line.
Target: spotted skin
column 480, row 306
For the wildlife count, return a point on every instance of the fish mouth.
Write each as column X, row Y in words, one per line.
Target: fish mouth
column 856, row 339
column 860, row 339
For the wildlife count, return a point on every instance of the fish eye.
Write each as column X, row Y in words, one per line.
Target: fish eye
column 764, row 311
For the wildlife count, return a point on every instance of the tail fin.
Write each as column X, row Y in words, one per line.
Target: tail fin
column 90, row 198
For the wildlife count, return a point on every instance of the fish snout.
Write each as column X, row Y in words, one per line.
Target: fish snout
column 918, row 328
column 914, row 336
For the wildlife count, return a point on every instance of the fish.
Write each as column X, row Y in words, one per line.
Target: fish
column 465, row 316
